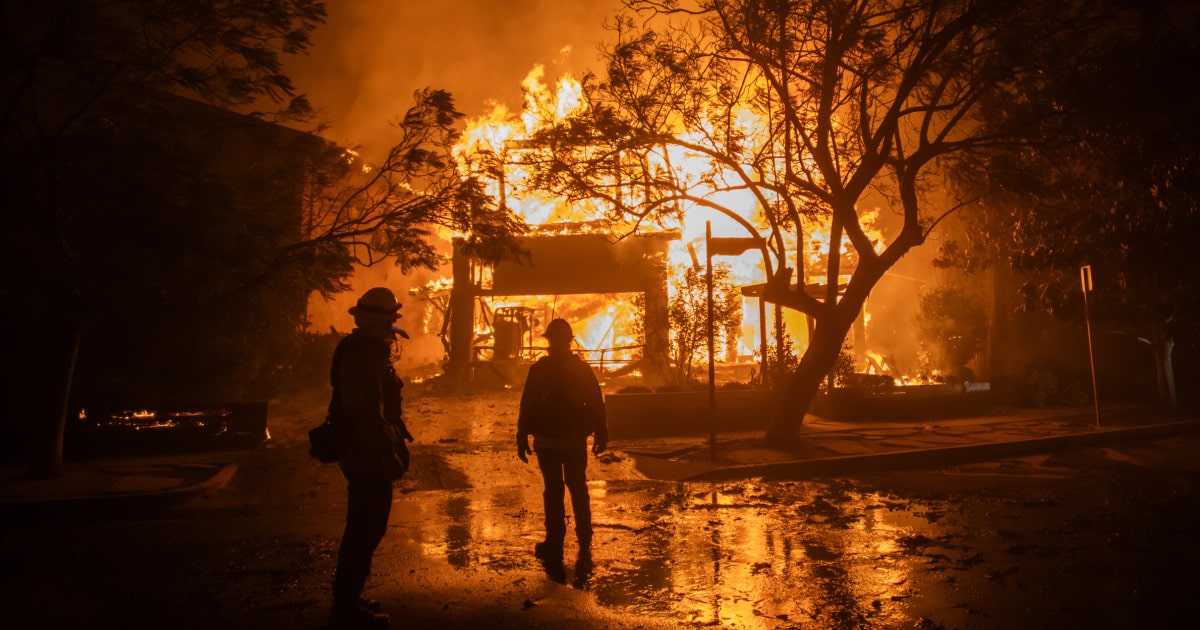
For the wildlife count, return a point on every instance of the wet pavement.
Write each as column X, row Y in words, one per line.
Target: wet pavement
column 1095, row 530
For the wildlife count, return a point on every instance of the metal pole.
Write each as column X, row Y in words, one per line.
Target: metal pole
column 712, row 383
column 762, row 339
column 1085, row 273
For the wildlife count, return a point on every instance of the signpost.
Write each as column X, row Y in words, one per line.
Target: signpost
column 720, row 246
column 1085, row 277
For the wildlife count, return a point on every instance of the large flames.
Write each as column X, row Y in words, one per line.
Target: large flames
column 490, row 150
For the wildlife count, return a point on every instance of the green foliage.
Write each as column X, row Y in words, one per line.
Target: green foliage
column 843, row 368
column 781, row 362
column 953, row 326
column 688, row 316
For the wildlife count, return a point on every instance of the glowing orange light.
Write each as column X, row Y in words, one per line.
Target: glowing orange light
column 490, row 150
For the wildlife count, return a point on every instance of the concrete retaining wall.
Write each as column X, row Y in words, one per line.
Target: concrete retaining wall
column 684, row 413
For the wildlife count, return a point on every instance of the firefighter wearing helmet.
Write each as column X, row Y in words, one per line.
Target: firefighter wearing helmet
column 561, row 405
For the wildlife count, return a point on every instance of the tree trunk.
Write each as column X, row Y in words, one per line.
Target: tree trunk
column 656, row 323
column 462, row 319
column 47, row 455
column 1164, row 350
column 996, row 351
column 797, row 393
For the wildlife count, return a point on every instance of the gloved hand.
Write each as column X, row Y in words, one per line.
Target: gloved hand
column 598, row 446
column 523, row 447
column 397, row 463
column 401, row 431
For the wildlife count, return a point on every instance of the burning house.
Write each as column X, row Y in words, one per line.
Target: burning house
column 582, row 267
column 625, row 288
column 559, row 265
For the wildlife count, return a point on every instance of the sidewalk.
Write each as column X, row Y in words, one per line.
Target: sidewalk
column 115, row 484
column 824, row 448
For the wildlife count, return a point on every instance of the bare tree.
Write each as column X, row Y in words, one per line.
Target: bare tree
column 363, row 213
column 811, row 107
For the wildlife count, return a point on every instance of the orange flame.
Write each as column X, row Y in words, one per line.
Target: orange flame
column 492, row 142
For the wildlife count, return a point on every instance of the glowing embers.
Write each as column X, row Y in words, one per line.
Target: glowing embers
column 166, row 429
column 148, row 419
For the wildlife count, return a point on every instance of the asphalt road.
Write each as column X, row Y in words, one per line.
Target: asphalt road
column 1091, row 538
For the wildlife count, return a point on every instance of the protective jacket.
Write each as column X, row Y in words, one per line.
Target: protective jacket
column 561, row 404
column 366, row 406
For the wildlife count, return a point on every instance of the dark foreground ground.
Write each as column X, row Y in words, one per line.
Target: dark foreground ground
column 1098, row 537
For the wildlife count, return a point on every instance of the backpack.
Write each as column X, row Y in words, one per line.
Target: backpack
column 567, row 410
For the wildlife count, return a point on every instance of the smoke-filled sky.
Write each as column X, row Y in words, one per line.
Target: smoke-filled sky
column 371, row 55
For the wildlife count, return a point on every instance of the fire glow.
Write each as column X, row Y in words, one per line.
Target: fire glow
column 491, row 150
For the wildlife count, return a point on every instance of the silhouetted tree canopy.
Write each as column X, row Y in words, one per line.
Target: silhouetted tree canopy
column 166, row 244
column 953, row 327
column 819, row 111
column 1108, row 179
column 113, row 207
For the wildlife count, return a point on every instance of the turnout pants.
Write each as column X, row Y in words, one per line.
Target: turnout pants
column 565, row 468
column 367, row 509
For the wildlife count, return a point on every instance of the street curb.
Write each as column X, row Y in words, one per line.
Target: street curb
column 846, row 464
column 107, row 504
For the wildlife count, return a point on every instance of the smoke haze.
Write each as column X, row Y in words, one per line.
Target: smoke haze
column 371, row 55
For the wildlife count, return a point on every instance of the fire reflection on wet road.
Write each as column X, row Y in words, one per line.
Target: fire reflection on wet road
column 1020, row 543
column 751, row 554
column 1095, row 538
column 738, row 555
